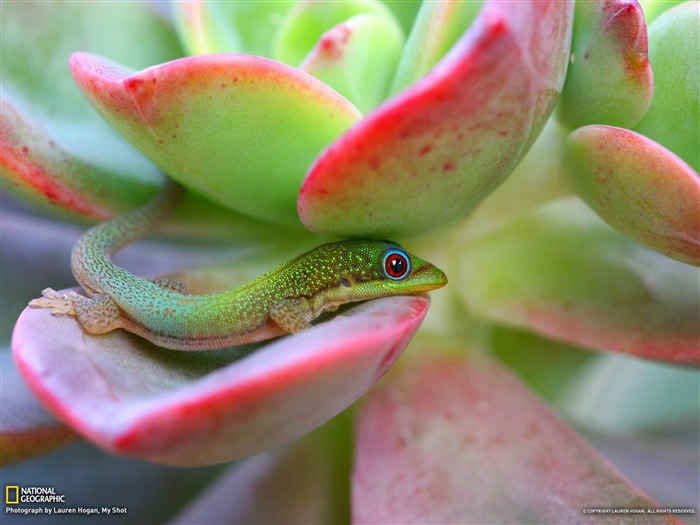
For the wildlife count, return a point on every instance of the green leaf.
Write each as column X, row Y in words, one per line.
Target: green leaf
column 405, row 12
column 562, row 272
column 641, row 397
column 609, row 79
column 672, row 119
column 437, row 27
column 241, row 130
column 56, row 151
column 653, row 8
column 357, row 58
column 548, row 367
column 431, row 154
column 307, row 21
column 638, row 187
column 209, row 26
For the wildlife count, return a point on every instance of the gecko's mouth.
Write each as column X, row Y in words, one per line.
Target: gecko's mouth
column 426, row 279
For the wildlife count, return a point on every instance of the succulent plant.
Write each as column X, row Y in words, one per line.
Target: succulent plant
column 527, row 148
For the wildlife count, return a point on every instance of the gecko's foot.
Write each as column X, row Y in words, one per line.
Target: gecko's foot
column 59, row 303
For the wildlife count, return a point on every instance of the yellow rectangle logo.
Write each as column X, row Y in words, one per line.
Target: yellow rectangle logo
column 11, row 499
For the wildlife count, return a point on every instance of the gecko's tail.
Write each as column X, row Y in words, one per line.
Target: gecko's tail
column 95, row 246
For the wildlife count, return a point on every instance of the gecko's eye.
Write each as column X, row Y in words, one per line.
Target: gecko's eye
column 396, row 265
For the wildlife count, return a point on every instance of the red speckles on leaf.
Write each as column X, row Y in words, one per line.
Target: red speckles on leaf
column 230, row 110
column 42, row 174
column 476, row 90
column 425, row 150
column 448, row 430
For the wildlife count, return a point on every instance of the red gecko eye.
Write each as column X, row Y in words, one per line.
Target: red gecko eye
column 396, row 265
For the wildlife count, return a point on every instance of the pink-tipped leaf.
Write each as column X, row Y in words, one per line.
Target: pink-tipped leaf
column 454, row 439
column 239, row 129
column 638, row 187
column 200, row 408
column 430, row 154
column 562, row 272
column 610, row 80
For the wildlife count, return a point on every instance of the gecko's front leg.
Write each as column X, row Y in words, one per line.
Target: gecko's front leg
column 289, row 314
column 98, row 314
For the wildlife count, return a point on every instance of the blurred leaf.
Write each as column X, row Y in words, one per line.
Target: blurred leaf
column 297, row 484
column 563, row 273
column 433, row 152
column 460, row 440
column 437, row 27
column 653, row 8
column 638, row 187
column 196, row 408
column 308, row 20
column 210, row 26
column 618, row 395
column 213, row 121
column 665, row 464
column 26, row 429
column 609, row 79
column 547, row 366
column 357, row 58
column 672, row 119
column 405, row 12
column 56, row 151
column 537, row 179
column 35, row 254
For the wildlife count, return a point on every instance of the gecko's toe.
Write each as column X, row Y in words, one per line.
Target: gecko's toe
column 59, row 303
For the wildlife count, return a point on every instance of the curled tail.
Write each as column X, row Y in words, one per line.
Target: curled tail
column 90, row 255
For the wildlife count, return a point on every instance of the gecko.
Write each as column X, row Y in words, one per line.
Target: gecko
column 283, row 301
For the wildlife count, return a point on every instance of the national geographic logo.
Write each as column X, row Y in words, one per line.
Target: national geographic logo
column 25, row 500
column 14, row 495
column 11, row 494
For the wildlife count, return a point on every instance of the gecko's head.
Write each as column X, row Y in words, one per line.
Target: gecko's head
column 379, row 268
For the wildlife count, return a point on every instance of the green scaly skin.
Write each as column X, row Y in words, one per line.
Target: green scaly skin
column 284, row 300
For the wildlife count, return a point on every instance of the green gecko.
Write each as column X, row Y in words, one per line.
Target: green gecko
column 284, row 300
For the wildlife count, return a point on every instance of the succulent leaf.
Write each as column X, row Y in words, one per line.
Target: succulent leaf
column 308, row 482
column 653, row 8
column 609, row 79
column 357, row 58
column 638, row 187
column 461, row 440
column 437, row 27
column 562, row 272
column 264, row 122
column 672, row 119
column 56, row 151
column 308, row 20
column 432, row 153
column 26, row 429
column 197, row 408
column 206, row 26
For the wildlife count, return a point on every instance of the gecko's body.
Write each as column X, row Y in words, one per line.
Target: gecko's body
column 284, row 300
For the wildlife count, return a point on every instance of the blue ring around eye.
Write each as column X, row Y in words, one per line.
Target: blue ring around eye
column 406, row 260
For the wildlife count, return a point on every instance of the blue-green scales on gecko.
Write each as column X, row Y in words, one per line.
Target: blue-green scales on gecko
column 284, row 300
